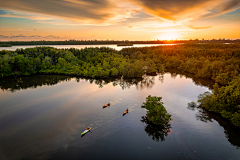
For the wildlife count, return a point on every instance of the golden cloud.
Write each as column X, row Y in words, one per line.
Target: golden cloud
column 94, row 11
column 185, row 10
column 105, row 12
column 197, row 28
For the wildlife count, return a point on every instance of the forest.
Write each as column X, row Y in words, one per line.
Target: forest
column 124, row 44
column 219, row 62
column 5, row 45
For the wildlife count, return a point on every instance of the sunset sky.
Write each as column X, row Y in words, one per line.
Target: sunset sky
column 119, row 19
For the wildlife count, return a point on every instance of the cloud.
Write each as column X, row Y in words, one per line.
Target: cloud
column 112, row 12
column 81, row 11
column 185, row 10
column 228, row 6
column 12, row 29
column 19, row 36
column 197, row 28
column 48, row 37
column 39, row 17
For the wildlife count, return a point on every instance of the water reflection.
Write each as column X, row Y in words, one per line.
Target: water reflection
column 198, row 81
column 147, row 81
column 156, row 132
column 37, row 123
column 231, row 133
column 19, row 83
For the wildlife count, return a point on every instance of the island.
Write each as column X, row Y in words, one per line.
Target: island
column 125, row 44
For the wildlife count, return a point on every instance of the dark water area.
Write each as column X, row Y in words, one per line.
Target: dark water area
column 43, row 116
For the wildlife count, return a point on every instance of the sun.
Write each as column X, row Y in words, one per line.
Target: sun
column 168, row 36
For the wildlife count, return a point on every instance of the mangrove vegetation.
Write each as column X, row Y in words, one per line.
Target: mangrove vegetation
column 124, row 44
column 156, row 112
column 5, row 45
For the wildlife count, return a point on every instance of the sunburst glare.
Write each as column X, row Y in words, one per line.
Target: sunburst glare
column 168, row 36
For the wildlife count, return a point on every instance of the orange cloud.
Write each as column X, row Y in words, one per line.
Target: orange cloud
column 27, row 16
column 185, row 10
column 104, row 12
column 197, row 28
column 12, row 29
column 94, row 11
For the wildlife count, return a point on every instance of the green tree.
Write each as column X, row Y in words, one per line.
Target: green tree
column 114, row 71
column 156, row 112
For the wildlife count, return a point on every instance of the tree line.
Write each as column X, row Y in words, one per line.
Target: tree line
column 89, row 62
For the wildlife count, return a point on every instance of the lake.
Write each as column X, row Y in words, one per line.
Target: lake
column 43, row 116
column 13, row 48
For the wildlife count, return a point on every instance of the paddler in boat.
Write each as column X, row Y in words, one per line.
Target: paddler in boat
column 127, row 110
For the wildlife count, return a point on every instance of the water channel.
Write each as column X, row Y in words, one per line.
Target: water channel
column 13, row 48
column 43, row 116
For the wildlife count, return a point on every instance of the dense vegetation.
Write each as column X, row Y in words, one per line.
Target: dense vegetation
column 124, row 44
column 224, row 100
column 219, row 62
column 156, row 112
column 5, row 45
column 89, row 62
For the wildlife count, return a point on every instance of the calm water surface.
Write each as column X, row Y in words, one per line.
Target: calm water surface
column 13, row 48
column 42, row 117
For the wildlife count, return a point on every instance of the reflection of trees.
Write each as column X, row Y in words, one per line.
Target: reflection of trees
column 35, row 81
column 202, row 115
column 156, row 132
column 174, row 75
column 146, row 82
column 126, row 83
column 161, row 77
column 198, row 81
column 231, row 133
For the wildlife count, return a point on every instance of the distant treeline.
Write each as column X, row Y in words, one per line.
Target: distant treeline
column 5, row 45
column 125, row 44
column 95, row 42
column 219, row 62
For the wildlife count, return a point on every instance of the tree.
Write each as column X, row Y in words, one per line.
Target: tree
column 114, row 71
column 224, row 100
column 156, row 112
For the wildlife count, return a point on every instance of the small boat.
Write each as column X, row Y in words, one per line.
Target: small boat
column 106, row 105
column 125, row 112
column 87, row 130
